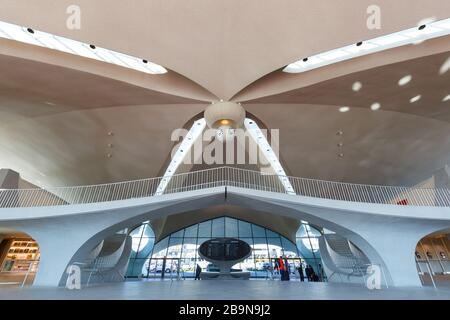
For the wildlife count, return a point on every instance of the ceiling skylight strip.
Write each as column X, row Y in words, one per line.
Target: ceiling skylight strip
column 183, row 150
column 266, row 149
column 47, row 40
column 410, row 36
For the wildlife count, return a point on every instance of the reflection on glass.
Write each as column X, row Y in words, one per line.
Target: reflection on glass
column 177, row 254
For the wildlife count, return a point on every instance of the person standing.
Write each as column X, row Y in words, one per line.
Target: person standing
column 308, row 272
column 300, row 272
column 198, row 272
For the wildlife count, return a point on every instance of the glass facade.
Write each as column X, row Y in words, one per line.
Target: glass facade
column 176, row 256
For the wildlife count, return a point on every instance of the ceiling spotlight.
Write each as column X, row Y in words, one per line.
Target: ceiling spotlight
column 110, row 133
column 405, row 80
column 225, row 122
column 305, row 60
column 447, row 98
column 359, row 44
column 376, row 106
column 422, row 27
column 341, row 155
column 109, row 155
column 415, row 99
column 340, row 133
column 92, row 46
column 344, row 109
column 340, row 144
column 145, row 61
column 30, row 30
column 357, row 86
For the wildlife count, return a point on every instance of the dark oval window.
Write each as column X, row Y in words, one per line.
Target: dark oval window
column 225, row 249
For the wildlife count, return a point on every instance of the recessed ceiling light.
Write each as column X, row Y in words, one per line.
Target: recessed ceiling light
column 92, row 46
column 415, row 99
column 344, row 109
column 359, row 44
column 445, row 67
column 405, row 80
column 376, row 106
column 357, row 86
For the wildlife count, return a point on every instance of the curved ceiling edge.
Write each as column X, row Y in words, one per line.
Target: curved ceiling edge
column 170, row 83
column 279, row 82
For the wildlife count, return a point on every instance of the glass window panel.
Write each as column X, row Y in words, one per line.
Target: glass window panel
column 204, row 229
column 218, row 228
column 191, row 231
column 304, row 248
column 313, row 232
column 137, row 233
column 160, row 249
column 148, row 232
column 301, row 232
column 245, row 229
column 290, row 249
column 178, row 234
column 258, row 231
column 175, row 246
column 275, row 249
column 189, row 248
column 146, row 247
column 201, row 240
column 231, row 228
column 271, row 234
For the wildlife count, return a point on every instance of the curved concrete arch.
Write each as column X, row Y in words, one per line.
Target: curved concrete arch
column 374, row 228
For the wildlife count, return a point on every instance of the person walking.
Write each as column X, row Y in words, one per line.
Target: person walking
column 308, row 272
column 198, row 272
column 300, row 273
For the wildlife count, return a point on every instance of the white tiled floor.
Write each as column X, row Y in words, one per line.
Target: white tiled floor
column 206, row 290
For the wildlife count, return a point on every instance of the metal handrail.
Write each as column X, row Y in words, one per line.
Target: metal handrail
column 224, row 176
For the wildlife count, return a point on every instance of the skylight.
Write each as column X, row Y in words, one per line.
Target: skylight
column 47, row 40
column 258, row 136
column 183, row 150
column 394, row 40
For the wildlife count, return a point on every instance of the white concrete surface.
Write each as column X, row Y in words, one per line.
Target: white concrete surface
column 224, row 290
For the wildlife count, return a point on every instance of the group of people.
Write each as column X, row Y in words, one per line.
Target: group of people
column 310, row 274
column 282, row 266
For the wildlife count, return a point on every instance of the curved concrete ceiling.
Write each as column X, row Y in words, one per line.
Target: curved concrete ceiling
column 223, row 45
column 68, row 121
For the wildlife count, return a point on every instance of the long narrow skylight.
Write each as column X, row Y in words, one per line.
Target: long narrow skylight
column 257, row 135
column 47, row 40
column 183, row 151
column 410, row 36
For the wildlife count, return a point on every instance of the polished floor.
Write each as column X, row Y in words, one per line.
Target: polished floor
column 223, row 290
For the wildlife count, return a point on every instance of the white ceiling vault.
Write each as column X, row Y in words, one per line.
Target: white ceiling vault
column 65, row 120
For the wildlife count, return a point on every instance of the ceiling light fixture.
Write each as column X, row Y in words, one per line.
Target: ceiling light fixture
column 357, row 86
column 50, row 41
column 405, row 80
column 415, row 99
column 409, row 36
column 344, row 109
column 447, row 98
column 376, row 106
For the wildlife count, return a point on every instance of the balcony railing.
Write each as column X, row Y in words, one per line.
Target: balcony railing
column 224, row 176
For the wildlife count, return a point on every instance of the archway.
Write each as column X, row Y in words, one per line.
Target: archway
column 433, row 259
column 19, row 258
column 176, row 255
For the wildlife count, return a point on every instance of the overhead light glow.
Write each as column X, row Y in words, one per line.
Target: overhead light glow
column 409, row 36
column 376, row 106
column 447, row 98
column 405, row 80
column 357, row 86
column 344, row 109
column 267, row 151
column 50, row 41
column 416, row 98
